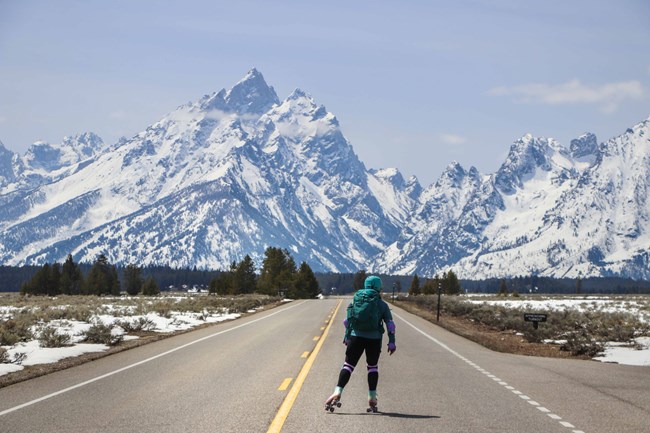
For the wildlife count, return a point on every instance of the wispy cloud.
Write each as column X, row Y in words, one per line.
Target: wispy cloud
column 452, row 139
column 607, row 96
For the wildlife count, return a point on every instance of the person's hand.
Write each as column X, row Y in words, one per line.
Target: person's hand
column 346, row 341
column 391, row 348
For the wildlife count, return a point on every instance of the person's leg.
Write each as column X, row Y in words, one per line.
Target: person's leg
column 352, row 355
column 373, row 349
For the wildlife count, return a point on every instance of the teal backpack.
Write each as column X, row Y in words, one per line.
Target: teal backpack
column 364, row 314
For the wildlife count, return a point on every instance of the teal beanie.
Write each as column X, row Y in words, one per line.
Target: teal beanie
column 372, row 282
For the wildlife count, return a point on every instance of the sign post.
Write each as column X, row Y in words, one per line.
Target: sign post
column 535, row 318
column 439, row 293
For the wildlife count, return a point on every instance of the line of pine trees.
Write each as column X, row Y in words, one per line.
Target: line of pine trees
column 448, row 284
column 102, row 279
column 279, row 276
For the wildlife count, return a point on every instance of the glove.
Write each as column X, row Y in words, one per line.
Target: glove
column 346, row 323
column 346, row 341
column 391, row 348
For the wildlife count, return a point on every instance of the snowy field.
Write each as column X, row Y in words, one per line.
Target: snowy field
column 115, row 314
column 638, row 306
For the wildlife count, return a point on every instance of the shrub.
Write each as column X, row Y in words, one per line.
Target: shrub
column 14, row 331
column 4, row 356
column 163, row 309
column 580, row 343
column 50, row 337
column 141, row 324
column 100, row 333
column 19, row 357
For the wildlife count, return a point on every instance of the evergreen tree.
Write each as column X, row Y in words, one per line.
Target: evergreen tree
column 133, row 279
column 305, row 283
column 150, row 287
column 430, row 286
column 71, row 277
column 359, row 280
column 278, row 269
column 415, row 286
column 37, row 285
column 221, row 284
column 102, row 278
column 53, row 287
column 45, row 281
column 244, row 279
column 503, row 288
column 451, row 284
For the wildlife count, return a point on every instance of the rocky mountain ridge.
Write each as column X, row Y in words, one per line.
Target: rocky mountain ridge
column 239, row 170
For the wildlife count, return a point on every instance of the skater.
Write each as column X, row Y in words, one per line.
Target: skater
column 364, row 326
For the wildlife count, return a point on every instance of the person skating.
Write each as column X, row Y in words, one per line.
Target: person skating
column 364, row 328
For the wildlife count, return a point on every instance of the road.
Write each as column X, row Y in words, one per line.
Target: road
column 271, row 372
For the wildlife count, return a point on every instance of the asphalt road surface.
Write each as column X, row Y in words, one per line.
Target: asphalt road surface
column 272, row 371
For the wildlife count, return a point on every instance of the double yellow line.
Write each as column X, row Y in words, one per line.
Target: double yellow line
column 290, row 399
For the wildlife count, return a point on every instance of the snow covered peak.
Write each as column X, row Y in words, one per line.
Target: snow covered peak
column 50, row 157
column 299, row 93
column 6, row 166
column 302, row 102
column 413, row 188
column 584, row 147
column 85, row 145
column 251, row 95
column 42, row 155
column 392, row 175
column 453, row 174
column 632, row 145
column 526, row 155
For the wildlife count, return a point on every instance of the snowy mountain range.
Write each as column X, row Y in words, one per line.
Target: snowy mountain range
column 240, row 170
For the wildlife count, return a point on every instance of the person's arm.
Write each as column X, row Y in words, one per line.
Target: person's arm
column 390, row 327
column 348, row 329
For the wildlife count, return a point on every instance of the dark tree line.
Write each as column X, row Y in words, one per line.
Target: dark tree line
column 535, row 284
column 101, row 279
column 69, row 278
column 279, row 276
column 448, row 284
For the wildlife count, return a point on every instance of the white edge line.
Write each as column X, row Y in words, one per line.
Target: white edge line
column 487, row 373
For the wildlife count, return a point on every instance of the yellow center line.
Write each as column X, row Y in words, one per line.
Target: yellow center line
column 304, row 354
column 290, row 399
column 316, row 338
column 285, row 384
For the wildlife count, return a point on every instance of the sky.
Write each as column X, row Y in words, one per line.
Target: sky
column 415, row 84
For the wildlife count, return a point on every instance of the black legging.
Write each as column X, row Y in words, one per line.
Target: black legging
column 356, row 347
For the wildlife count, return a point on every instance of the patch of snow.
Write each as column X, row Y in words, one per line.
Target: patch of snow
column 626, row 354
